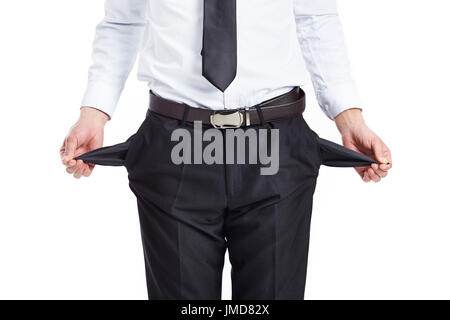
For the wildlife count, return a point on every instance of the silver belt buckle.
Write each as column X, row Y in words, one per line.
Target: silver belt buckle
column 231, row 120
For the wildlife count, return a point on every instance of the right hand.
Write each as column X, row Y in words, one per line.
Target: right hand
column 85, row 135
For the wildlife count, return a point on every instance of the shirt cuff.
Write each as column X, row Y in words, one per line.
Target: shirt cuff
column 102, row 95
column 338, row 98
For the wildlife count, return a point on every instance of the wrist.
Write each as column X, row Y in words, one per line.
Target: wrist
column 348, row 120
column 94, row 115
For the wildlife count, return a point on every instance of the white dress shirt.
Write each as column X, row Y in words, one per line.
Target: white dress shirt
column 278, row 42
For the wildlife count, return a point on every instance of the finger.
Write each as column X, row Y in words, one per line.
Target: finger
column 74, row 169
column 91, row 168
column 373, row 176
column 366, row 177
column 70, row 170
column 381, row 173
column 61, row 150
column 360, row 171
column 77, row 174
column 87, row 171
column 70, row 146
column 79, row 169
column 378, row 170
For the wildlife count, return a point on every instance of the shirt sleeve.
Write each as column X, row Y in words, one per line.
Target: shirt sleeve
column 117, row 41
column 322, row 42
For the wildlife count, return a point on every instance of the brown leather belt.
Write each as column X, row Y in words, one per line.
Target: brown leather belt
column 288, row 105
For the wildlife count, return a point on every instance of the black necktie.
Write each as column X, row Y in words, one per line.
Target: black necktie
column 219, row 42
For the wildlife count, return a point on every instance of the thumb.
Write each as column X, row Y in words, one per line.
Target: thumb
column 380, row 151
column 70, row 146
column 97, row 142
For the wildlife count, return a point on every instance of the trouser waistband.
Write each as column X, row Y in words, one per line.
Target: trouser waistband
column 288, row 105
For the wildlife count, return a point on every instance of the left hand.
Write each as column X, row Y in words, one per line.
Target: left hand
column 358, row 137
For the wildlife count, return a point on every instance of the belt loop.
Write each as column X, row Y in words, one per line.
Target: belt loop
column 261, row 116
column 247, row 117
column 185, row 115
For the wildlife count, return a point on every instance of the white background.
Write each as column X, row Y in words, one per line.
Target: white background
column 62, row 238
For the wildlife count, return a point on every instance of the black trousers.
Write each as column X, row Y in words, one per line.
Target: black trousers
column 190, row 214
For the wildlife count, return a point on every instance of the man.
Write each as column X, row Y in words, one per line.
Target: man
column 228, row 63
